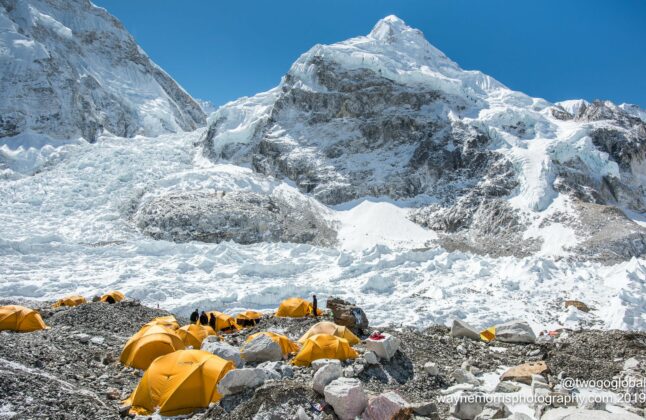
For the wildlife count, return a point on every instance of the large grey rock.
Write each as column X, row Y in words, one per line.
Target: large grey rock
column 238, row 380
column 325, row 375
column 389, row 405
column 468, row 406
column 494, row 410
column 319, row 363
column 347, row 398
column 224, row 350
column 462, row 376
column 239, row 216
column 515, row 332
column 462, row 329
column 425, row 409
column 261, row 349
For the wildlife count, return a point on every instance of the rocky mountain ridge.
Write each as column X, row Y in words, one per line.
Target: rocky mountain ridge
column 69, row 69
column 388, row 115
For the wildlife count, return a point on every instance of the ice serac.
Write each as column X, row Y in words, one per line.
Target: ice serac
column 69, row 69
column 493, row 170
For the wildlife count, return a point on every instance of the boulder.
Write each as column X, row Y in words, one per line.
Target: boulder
column 507, row 387
column 325, row 375
column 319, row 363
column 261, row 349
column 238, row 380
column 462, row 376
column 425, row 409
column 523, row 373
column 389, row 405
column 348, row 314
column 347, row 398
column 494, row 410
column 462, row 329
column 371, row 358
column 515, row 332
column 384, row 348
column 468, row 406
column 224, row 350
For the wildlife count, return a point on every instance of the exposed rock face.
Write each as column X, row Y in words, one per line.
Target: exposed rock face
column 70, row 69
column 243, row 217
column 347, row 314
column 389, row 115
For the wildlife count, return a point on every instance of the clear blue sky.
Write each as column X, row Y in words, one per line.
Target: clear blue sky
column 555, row 49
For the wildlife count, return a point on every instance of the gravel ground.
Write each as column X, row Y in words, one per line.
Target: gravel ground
column 72, row 371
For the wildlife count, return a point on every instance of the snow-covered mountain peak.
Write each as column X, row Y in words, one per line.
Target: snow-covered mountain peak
column 402, row 54
column 70, row 70
column 391, row 27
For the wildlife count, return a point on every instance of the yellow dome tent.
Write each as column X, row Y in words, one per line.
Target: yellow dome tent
column 193, row 334
column 324, row 346
column 248, row 318
column 296, row 308
column 168, row 321
column 19, row 318
column 286, row 345
column 113, row 297
column 178, row 383
column 223, row 322
column 73, row 300
column 488, row 335
column 148, row 344
column 327, row 327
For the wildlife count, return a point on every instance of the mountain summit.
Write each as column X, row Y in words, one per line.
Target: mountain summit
column 495, row 170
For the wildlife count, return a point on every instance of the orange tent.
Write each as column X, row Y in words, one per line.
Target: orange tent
column 286, row 345
column 223, row 322
column 324, row 346
column 73, row 300
column 19, row 318
column 178, row 383
column 148, row 344
column 167, row 321
column 193, row 334
column 113, row 297
column 327, row 327
column 248, row 318
column 296, row 308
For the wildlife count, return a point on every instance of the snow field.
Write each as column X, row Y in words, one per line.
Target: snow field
column 66, row 230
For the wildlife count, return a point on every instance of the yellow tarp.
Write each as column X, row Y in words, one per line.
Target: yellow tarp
column 179, row 383
column 148, row 344
column 324, row 346
column 223, row 322
column 286, row 345
column 488, row 334
column 327, row 327
column 115, row 294
column 19, row 318
column 248, row 318
column 193, row 334
column 296, row 308
column 168, row 321
column 73, row 300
